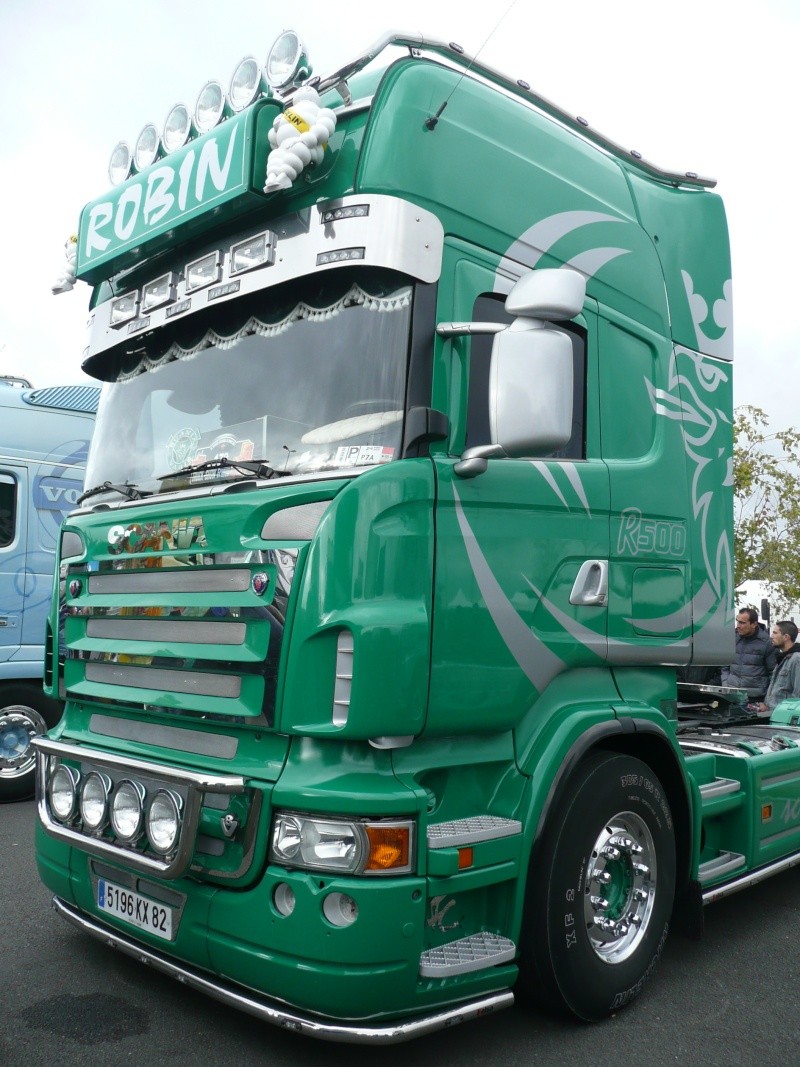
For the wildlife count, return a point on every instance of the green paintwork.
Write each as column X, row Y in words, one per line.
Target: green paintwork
column 472, row 667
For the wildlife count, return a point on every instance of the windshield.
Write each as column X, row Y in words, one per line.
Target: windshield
column 307, row 378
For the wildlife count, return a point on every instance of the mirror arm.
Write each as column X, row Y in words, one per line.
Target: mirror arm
column 459, row 329
column 474, row 461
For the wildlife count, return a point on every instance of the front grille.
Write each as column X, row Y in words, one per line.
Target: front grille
column 202, row 638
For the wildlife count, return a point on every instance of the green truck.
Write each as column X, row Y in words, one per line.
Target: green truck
column 409, row 496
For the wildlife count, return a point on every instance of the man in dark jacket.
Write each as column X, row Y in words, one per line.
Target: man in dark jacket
column 754, row 659
column 785, row 684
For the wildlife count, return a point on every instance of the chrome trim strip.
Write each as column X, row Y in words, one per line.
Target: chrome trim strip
column 720, row 787
column 195, row 581
column 195, row 684
column 189, row 632
column 219, row 746
column 271, row 1011
column 195, row 783
column 710, row 896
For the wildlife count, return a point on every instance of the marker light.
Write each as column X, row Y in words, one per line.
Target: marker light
column 202, row 272
column 177, row 127
column 287, row 62
column 245, row 84
column 159, row 292
column 119, row 166
column 146, row 148
column 63, row 791
column 254, row 252
column 210, row 107
column 124, row 308
column 127, row 810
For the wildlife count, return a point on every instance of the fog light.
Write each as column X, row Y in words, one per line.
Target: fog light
column 284, row 899
column 164, row 821
column 63, row 792
column 94, row 801
column 127, row 810
column 340, row 909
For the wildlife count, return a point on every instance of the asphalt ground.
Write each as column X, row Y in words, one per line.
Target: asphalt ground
column 65, row 999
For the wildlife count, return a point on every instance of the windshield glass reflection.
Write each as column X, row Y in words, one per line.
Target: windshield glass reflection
column 317, row 386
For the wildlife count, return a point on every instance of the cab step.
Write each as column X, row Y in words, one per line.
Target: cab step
column 473, row 953
column 719, row 866
column 469, row 831
column 720, row 787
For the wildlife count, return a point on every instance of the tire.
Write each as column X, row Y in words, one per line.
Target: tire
column 600, row 890
column 25, row 712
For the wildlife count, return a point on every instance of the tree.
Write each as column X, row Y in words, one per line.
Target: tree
column 766, row 491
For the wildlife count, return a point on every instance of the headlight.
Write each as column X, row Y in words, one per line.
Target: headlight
column 357, row 847
column 127, row 809
column 63, row 791
column 164, row 821
column 94, row 800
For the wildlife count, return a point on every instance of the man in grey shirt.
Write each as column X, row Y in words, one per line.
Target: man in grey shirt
column 785, row 683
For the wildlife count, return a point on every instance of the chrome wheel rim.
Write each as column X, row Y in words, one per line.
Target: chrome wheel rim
column 18, row 726
column 620, row 887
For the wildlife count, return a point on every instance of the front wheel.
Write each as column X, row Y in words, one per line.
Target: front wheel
column 600, row 890
column 25, row 712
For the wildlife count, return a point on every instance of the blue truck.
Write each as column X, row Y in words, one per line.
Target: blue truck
column 44, row 438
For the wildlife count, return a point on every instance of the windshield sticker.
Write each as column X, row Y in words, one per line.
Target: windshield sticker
column 363, row 455
column 234, row 443
column 182, row 446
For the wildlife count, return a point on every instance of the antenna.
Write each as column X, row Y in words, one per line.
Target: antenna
column 431, row 122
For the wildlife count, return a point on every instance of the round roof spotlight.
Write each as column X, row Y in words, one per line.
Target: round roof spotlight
column 177, row 127
column 287, row 62
column 209, row 110
column 245, row 84
column 119, row 165
column 145, row 151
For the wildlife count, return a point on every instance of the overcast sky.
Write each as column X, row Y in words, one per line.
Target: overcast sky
column 703, row 85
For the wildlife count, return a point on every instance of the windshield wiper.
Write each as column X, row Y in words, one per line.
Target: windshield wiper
column 128, row 490
column 258, row 467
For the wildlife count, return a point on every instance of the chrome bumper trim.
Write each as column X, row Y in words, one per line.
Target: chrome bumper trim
column 271, row 1011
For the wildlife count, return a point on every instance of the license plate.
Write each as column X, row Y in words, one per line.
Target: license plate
column 135, row 909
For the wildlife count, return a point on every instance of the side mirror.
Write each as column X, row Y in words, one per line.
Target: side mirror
column 530, row 381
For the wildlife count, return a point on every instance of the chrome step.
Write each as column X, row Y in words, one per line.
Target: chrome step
column 720, row 787
column 724, row 863
column 469, row 831
column 473, row 953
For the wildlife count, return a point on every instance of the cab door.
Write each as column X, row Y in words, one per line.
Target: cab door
column 520, row 589
column 13, row 556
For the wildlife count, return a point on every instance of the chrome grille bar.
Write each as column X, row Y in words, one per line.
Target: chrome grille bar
column 195, row 631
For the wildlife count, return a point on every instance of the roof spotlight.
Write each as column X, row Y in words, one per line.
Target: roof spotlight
column 287, row 62
column 177, row 128
column 210, row 107
column 145, row 150
column 245, row 84
column 119, row 165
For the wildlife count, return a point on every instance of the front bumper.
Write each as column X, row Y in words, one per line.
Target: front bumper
column 272, row 1011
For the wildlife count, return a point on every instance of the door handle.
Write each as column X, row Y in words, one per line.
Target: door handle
column 591, row 585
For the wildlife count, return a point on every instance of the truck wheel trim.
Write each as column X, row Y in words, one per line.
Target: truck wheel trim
column 620, row 883
column 18, row 726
